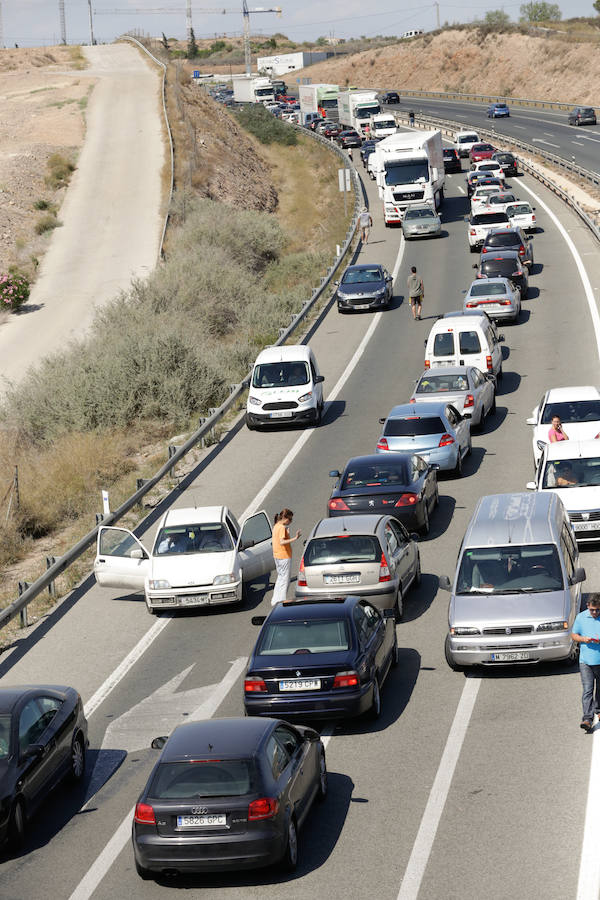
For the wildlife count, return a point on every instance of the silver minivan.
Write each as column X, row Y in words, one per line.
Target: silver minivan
column 517, row 587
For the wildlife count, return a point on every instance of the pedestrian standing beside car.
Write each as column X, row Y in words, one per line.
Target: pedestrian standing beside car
column 282, row 554
column 586, row 633
column 416, row 292
column 366, row 223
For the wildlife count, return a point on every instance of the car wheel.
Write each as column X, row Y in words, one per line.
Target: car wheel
column 469, row 448
column 458, row 466
column 144, row 874
column 317, row 416
column 493, row 406
column 322, row 793
column 424, row 529
column 449, row 658
column 395, row 655
column 417, row 578
column 249, row 425
column 77, row 768
column 375, row 710
column 500, row 374
column 472, row 249
column 16, row 827
column 399, row 606
column 289, row 860
column 573, row 657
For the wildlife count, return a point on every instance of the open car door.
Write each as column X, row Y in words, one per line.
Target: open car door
column 255, row 546
column 121, row 560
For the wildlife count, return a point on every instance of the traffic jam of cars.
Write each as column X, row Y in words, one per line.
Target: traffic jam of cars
column 233, row 793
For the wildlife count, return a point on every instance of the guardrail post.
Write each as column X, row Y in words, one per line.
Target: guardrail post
column 172, row 450
column 139, row 484
column 23, row 618
column 211, row 411
column 99, row 518
column 50, row 560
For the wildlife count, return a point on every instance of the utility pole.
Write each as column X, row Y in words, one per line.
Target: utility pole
column 246, row 14
column 1, row 30
column 63, row 27
column 92, row 41
column 188, row 20
column 437, row 13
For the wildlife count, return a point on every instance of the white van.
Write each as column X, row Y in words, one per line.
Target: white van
column 464, row 140
column 285, row 387
column 466, row 338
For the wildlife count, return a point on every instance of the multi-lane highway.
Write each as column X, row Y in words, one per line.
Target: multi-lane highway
column 469, row 785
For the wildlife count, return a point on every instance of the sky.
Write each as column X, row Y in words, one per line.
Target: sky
column 37, row 23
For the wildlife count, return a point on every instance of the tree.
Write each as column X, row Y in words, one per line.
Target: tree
column 321, row 41
column 540, row 12
column 596, row 6
column 192, row 47
column 497, row 17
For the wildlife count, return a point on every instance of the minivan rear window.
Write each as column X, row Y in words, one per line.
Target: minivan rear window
column 504, row 267
column 469, row 342
column 345, row 548
column 414, row 425
column 443, row 344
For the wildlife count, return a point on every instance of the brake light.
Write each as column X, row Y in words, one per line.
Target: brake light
column 406, row 500
column 427, row 364
column 412, row 400
column 533, row 217
column 264, row 808
column 521, row 249
column 254, row 685
column 144, row 814
column 445, row 440
column 484, row 249
column 345, row 679
column 301, row 580
column 469, row 401
column 338, row 504
column 472, row 231
column 382, row 444
column 384, row 570
column 488, row 362
column 471, row 305
column 504, row 302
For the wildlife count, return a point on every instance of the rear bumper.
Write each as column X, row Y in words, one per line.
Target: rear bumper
column 340, row 704
column 382, row 599
column 158, row 853
column 410, row 516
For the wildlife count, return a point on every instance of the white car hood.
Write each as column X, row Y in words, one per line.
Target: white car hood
column 185, row 570
column 578, row 499
column 279, row 394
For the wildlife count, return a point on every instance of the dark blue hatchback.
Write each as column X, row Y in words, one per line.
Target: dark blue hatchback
column 321, row 659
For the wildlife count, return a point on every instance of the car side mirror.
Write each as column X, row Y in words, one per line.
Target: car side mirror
column 530, row 421
column 334, row 473
column 319, row 379
column 34, row 751
column 434, row 467
column 578, row 576
column 311, row 735
column 258, row 620
column 531, row 486
column 159, row 742
column 475, row 266
column 382, row 421
column 444, row 583
column 388, row 613
column 137, row 553
column 414, row 536
column 336, row 283
column 500, row 338
column 467, row 415
column 541, row 445
column 245, row 545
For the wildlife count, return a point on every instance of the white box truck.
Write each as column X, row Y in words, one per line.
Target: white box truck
column 318, row 98
column 382, row 125
column 408, row 169
column 252, row 89
column 356, row 109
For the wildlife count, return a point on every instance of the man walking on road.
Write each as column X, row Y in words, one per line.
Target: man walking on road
column 416, row 292
column 366, row 223
column 586, row 633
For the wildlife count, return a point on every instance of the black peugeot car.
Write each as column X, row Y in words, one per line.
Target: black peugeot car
column 504, row 264
column 402, row 485
column 508, row 162
column 321, row 659
column 227, row 794
column 349, row 138
column 366, row 286
column 43, row 739
column 452, row 160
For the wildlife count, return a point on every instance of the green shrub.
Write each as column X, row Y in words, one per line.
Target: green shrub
column 41, row 204
column 60, row 170
column 263, row 125
column 47, row 223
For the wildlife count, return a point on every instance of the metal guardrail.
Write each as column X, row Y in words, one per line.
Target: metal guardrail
column 491, row 98
column 31, row 591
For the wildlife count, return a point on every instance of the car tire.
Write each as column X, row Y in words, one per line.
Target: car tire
column 395, row 655
column 323, row 783
column 289, row 860
column 458, row 467
column 375, row 710
column 398, row 606
column 449, row 658
column 500, row 374
column 472, row 249
column 493, row 406
column 469, row 448
column 249, row 425
column 145, row 874
column 77, row 762
column 15, row 834
column 573, row 657
column 417, row 578
column 424, row 529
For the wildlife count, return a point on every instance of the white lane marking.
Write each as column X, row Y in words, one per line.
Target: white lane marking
column 584, row 137
column 548, row 133
column 540, row 141
column 588, row 886
column 580, row 268
column 421, row 850
column 579, row 143
column 461, row 189
column 521, row 127
column 398, row 262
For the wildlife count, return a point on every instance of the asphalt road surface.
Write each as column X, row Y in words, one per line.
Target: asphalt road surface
column 469, row 785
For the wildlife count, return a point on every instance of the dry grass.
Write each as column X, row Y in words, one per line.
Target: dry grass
column 77, row 59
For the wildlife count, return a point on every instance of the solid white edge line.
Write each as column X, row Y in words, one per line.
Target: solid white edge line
column 588, row 884
column 421, row 851
column 104, row 861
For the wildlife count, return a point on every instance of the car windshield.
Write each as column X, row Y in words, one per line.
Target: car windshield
column 518, row 209
column 362, row 276
column 330, row 103
column 435, row 384
column 501, row 198
column 406, row 172
column 491, row 289
column 280, row 374
column 485, row 192
column 202, row 778
column 572, row 411
column 210, row 537
column 514, row 569
column 362, row 474
column 507, row 239
column 482, row 148
column 504, row 157
column 568, row 473
column 387, row 123
column 587, row 111
column 365, row 112
column 495, row 218
column 505, row 267
column 316, row 636
column 342, row 548
column 468, row 139
column 469, row 342
column 4, row 736
column 417, row 425
column 421, row 213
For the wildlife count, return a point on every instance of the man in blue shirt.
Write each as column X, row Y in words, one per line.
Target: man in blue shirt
column 586, row 633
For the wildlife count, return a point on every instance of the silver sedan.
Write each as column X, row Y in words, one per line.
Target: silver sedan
column 421, row 221
column 498, row 297
column 471, row 392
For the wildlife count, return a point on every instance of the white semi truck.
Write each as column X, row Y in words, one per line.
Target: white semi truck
column 382, row 125
column 319, row 98
column 356, row 109
column 252, row 89
column 408, row 169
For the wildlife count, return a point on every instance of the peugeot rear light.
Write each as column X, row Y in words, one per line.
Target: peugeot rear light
column 504, row 302
column 336, row 503
column 264, row 808
column 469, row 401
column 346, row 679
column 144, row 814
column 301, row 580
column 446, row 440
column 254, row 685
column 488, row 362
column 406, row 500
column 382, row 444
column 521, row 249
column 427, row 364
column 384, row 570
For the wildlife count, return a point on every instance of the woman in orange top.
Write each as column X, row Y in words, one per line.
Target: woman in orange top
column 282, row 554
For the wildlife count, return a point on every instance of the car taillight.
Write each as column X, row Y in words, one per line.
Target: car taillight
column 504, row 302
column 406, row 500
column 144, row 814
column 382, row 444
column 521, row 249
column 488, row 362
column 469, row 401
column 301, row 580
column 264, row 808
column 427, row 364
column 517, row 274
column 484, row 249
column 384, row 569
column 345, row 679
column 254, row 685
column 471, row 305
column 533, row 217
column 338, row 503
column 472, row 231
column 412, row 400
column 445, row 440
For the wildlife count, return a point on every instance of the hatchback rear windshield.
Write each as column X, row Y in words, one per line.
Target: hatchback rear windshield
column 574, row 411
column 505, row 267
column 496, row 288
column 502, row 198
column 414, row 425
column 435, row 384
column 587, row 111
column 344, row 548
column 375, row 474
column 504, row 157
column 515, row 569
column 495, row 218
column 468, row 139
column 508, row 239
column 326, row 636
column 419, row 213
column 280, row 374
column 205, row 778
column 518, row 209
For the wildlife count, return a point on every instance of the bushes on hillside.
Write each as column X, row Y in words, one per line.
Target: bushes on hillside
column 263, row 125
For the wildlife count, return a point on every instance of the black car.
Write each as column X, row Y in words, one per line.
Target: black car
column 452, row 161
column 366, row 149
column 43, row 739
column 366, row 286
column 507, row 161
column 582, row 115
column 228, row 794
column 390, row 97
column 402, row 485
column 504, row 264
column 321, row 659
column 509, row 239
column 349, row 138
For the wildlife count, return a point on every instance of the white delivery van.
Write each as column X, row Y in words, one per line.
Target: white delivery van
column 285, row 387
column 465, row 338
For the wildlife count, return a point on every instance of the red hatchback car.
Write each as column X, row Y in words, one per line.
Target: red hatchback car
column 481, row 151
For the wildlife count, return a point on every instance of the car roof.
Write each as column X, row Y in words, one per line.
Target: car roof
column 346, row 525
column 462, row 312
column 215, row 738
column 377, row 459
column 573, row 449
column 194, row 515
column 586, row 392
column 443, row 370
column 528, row 517
column 294, row 610
column 287, row 353
column 11, row 695
column 419, row 410
column 495, row 280
column 362, row 266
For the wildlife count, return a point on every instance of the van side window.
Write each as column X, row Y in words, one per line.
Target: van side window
column 490, row 336
column 313, row 371
column 391, row 538
column 443, row 344
column 566, row 552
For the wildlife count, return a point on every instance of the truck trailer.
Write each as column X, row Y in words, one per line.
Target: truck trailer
column 319, row 98
column 408, row 169
column 252, row 89
column 356, row 109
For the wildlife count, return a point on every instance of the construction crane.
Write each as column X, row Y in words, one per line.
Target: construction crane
column 188, row 13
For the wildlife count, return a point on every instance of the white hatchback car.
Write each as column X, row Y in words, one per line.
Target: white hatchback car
column 521, row 215
column 201, row 557
column 491, row 167
column 579, row 412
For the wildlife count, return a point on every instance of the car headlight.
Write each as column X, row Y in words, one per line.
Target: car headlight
column 459, row 631
column 224, row 579
column 159, row 585
column 254, row 400
column 553, row 626
column 305, row 397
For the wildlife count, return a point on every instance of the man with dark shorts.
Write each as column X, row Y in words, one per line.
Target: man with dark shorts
column 586, row 633
column 416, row 292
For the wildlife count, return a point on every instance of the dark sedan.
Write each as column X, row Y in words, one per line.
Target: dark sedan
column 228, row 794
column 509, row 239
column 482, row 179
column 367, row 286
column 508, row 162
column 582, row 115
column 321, row 659
column 401, row 485
column 504, row 264
column 452, row 161
column 348, row 139
column 390, row 97
column 43, row 739
column 367, row 147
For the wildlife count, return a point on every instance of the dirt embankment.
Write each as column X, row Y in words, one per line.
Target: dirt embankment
column 470, row 61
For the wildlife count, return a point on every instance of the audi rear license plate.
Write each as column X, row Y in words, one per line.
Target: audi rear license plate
column 218, row 819
column 281, row 414
column 301, row 684
column 515, row 656
column 195, row 599
column 342, row 579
